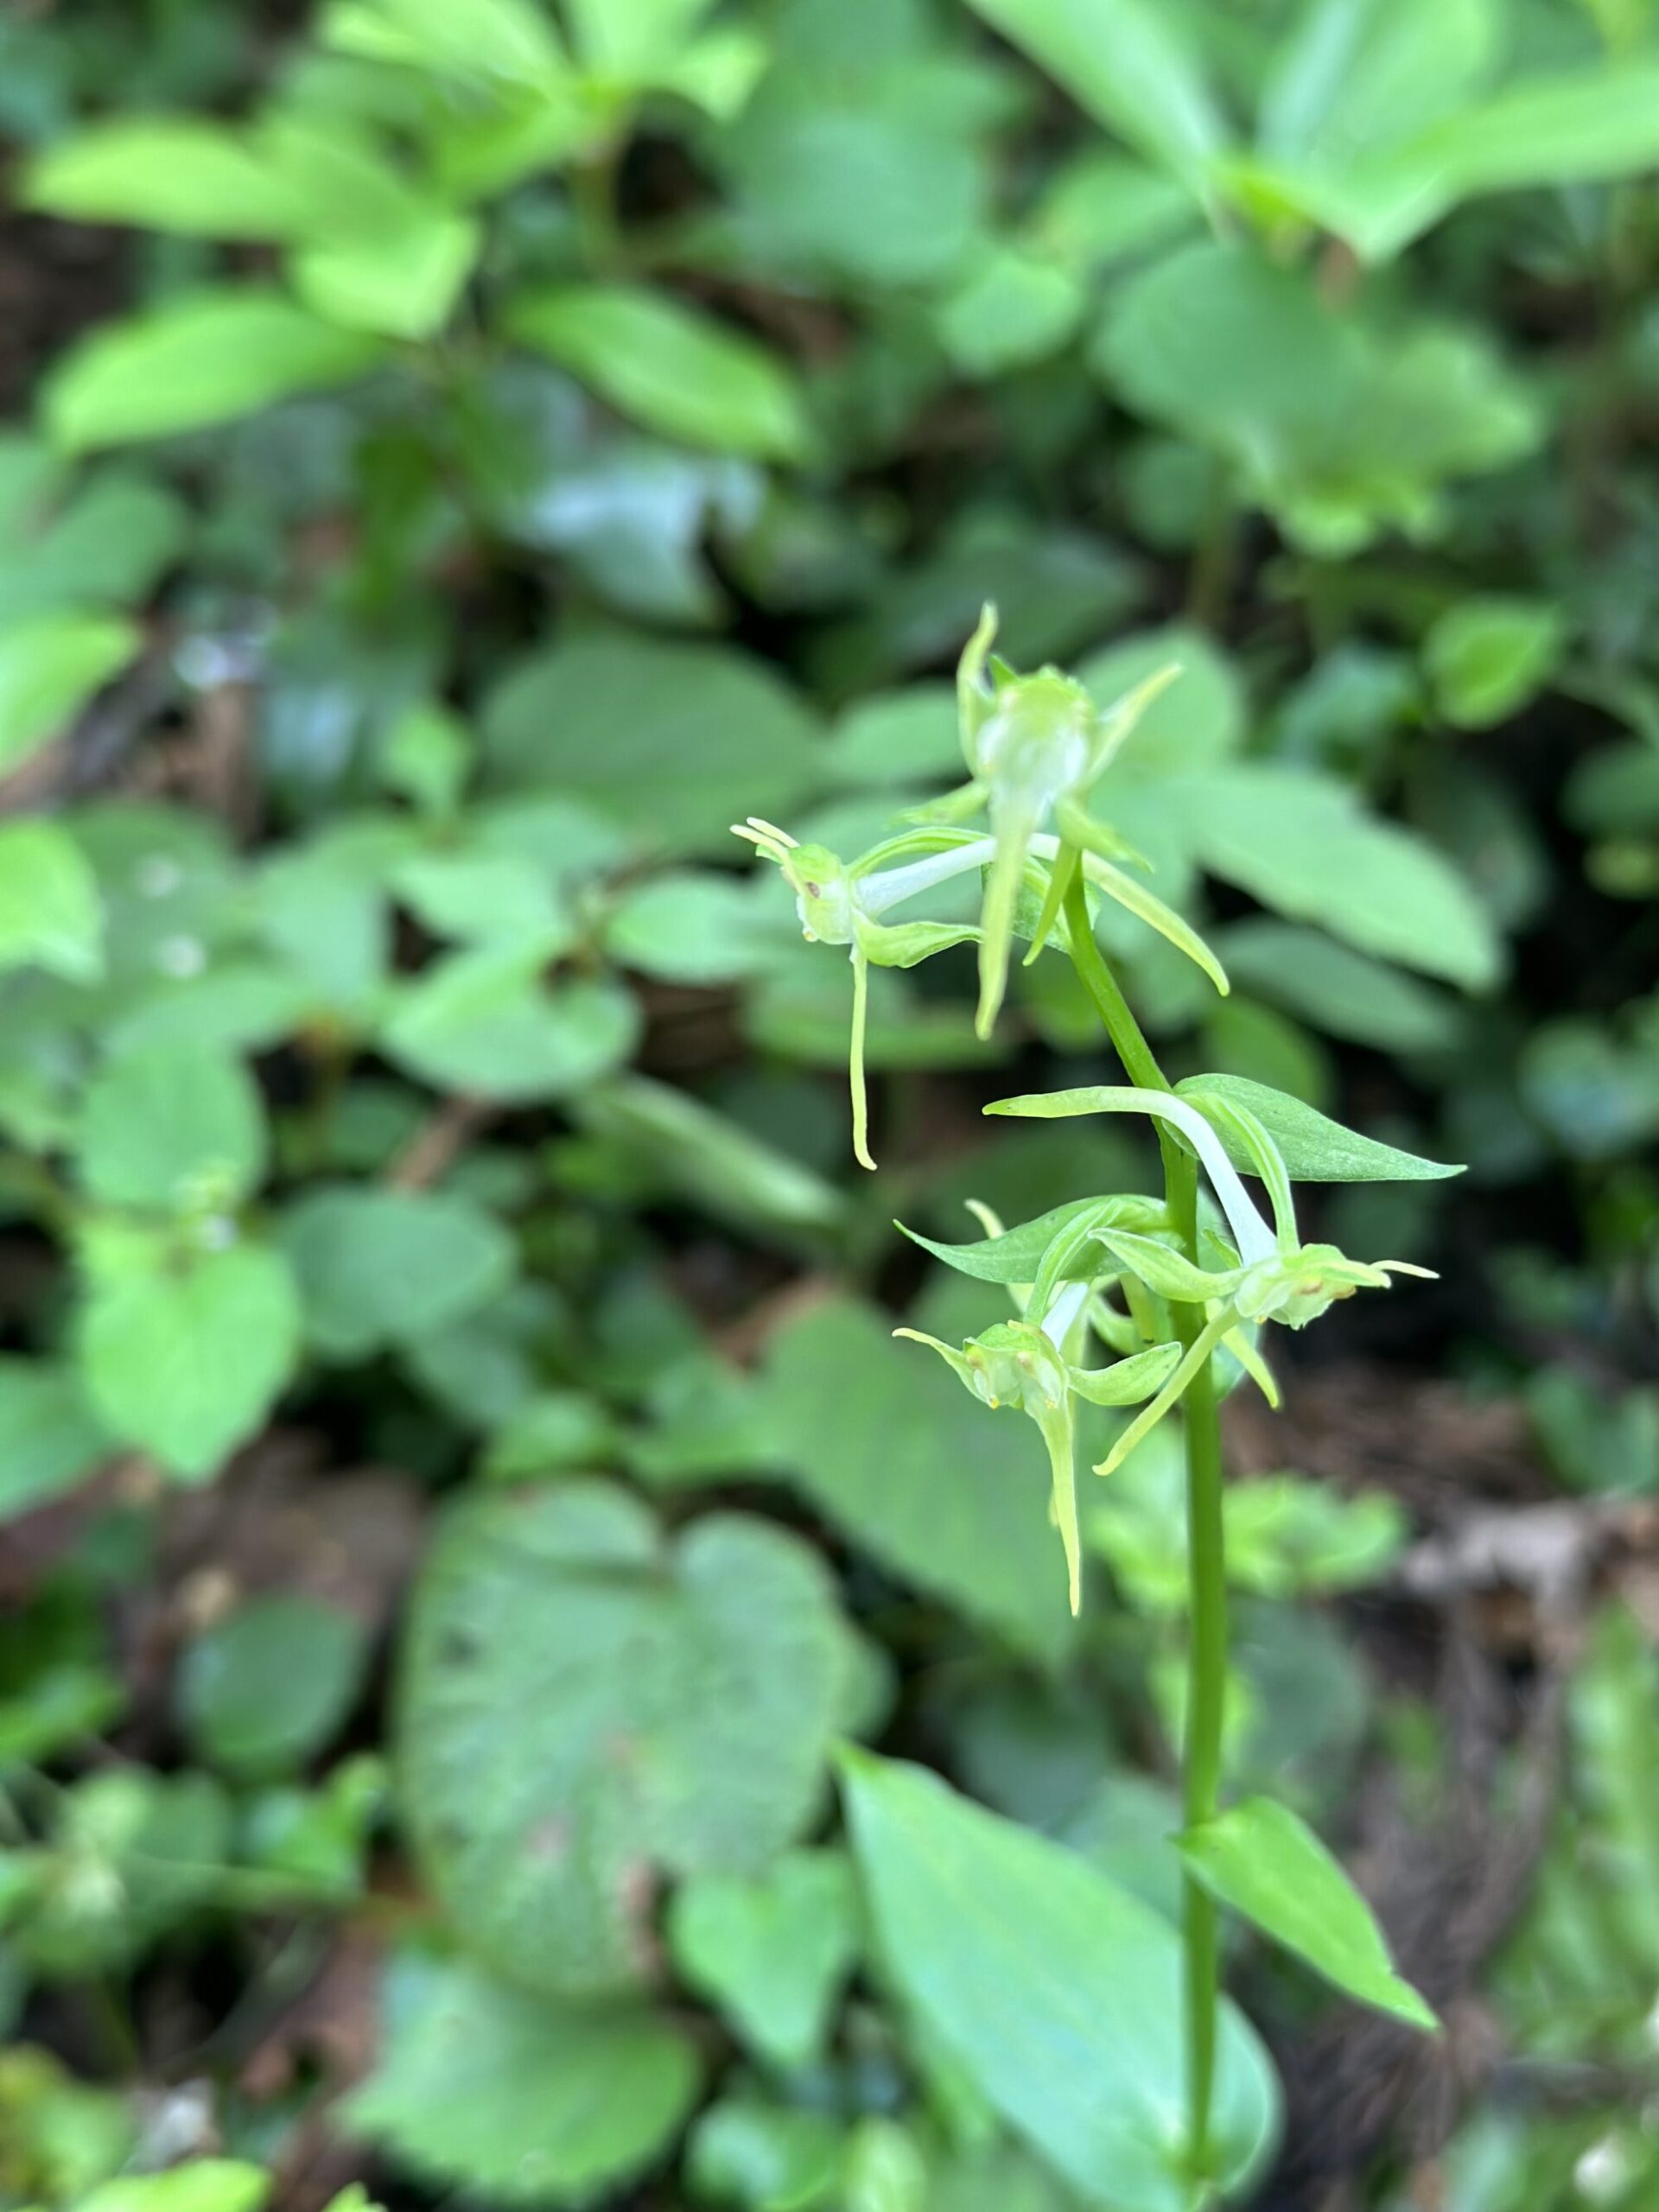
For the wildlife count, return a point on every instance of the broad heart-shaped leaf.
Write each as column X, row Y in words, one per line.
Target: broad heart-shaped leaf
column 49, row 1436
column 1314, row 1148
column 676, row 741
column 585, row 1708
column 483, row 1022
column 186, row 1360
column 484, row 2087
column 377, row 1267
column 676, row 371
column 772, row 1951
column 1267, row 1864
column 1486, row 658
column 49, row 666
column 939, row 1489
column 1300, row 843
column 195, row 362
column 51, row 916
column 171, row 1125
column 1057, row 1992
column 1127, row 62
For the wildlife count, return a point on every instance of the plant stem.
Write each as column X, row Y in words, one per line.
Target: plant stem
column 1206, row 1556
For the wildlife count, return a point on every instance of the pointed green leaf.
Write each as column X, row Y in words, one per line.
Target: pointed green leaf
column 170, row 173
column 1127, row 62
column 195, row 362
column 772, row 1950
column 50, row 666
column 676, row 371
column 1017, row 1255
column 1314, row 1148
column 1052, row 1989
column 1266, row 1863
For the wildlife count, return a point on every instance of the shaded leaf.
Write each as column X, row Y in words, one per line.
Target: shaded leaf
column 193, row 363
column 377, row 1267
column 772, row 1952
column 903, row 1460
column 666, row 365
column 585, row 1708
column 172, row 1127
column 483, row 2087
column 187, row 1362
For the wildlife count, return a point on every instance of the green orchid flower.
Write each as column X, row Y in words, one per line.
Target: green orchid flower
column 1268, row 1273
column 1023, row 1364
column 1035, row 746
column 843, row 902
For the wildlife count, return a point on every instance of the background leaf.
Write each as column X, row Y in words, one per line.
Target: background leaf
column 539, row 2103
column 585, row 1708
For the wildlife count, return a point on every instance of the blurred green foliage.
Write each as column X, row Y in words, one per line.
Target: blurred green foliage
column 464, row 455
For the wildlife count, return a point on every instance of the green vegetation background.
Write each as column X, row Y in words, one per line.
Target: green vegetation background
column 456, row 1487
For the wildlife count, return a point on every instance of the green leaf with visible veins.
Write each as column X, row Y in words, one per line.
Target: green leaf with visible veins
column 586, row 1707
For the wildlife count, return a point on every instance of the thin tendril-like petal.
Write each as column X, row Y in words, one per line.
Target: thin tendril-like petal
column 1055, row 1422
column 996, row 914
column 856, row 1059
column 1149, row 1416
column 1059, row 881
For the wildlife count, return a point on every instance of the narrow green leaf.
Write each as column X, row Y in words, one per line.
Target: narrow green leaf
column 170, row 173
column 1315, row 1149
column 1127, row 62
column 1018, row 1254
column 194, row 363
column 675, row 369
column 1266, row 1863
column 50, row 667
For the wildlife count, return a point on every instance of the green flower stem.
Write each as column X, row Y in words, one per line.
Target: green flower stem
column 1205, row 1557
